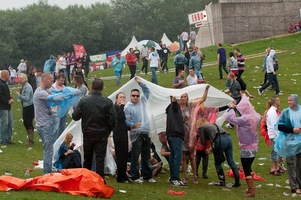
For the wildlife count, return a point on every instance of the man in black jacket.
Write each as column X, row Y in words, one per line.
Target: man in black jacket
column 98, row 120
column 5, row 109
column 175, row 137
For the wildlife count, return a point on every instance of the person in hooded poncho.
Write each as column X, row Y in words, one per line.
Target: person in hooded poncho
column 288, row 142
column 179, row 61
column 195, row 63
column 247, row 134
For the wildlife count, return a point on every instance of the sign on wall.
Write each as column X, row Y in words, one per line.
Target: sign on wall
column 197, row 17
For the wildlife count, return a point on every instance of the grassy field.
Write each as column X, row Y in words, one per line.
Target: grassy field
column 15, row 159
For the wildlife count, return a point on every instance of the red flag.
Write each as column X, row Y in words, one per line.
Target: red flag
column 79, row 50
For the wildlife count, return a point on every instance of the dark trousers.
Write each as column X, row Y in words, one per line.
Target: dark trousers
column 240, row 72
column 93, row 143
column 247, row 165
column 86, row 69
column 132, row 70
column 145, row 65
column 178, row 67
column 156, row 156
column 221, row 67
column 164, row 64
column 73, row 160
column 121, row 151
column 199, row 155
column 28, row 115
column 141, row 146
column 272, row 80
column 68, row 72
column 294, row 171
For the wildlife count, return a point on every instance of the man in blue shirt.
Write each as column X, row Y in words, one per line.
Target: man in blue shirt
column 221, row 59
column 138, row 120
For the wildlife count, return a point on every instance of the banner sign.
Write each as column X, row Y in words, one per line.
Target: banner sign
column 98, row 61
column 79, row 50
column 200, row 16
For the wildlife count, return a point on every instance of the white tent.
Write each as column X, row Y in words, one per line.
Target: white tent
column 132, row 44
column 165, row 40
column 159, row 99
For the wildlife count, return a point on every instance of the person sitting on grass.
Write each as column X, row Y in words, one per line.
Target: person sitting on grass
column 67, row 157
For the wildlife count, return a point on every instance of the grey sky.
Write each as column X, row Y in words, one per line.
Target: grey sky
column 9, row 4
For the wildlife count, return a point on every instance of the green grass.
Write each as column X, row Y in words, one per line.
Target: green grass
column 16, row 158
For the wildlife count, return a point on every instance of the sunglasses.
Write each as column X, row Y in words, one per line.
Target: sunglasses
column 134, row 95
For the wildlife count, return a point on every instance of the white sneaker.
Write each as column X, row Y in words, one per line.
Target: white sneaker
column 259, row 93
column 228, row 126
column 151, row 180
column 279, row 94
column 138, row 181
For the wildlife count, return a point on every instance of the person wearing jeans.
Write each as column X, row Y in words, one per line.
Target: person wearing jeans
column 137, row 118
column 219, row 139
column 118, row 63
column 175, row 138
column 44, row 120
column 154, row 64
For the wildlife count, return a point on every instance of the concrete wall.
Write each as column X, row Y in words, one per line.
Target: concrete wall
column 237, row 22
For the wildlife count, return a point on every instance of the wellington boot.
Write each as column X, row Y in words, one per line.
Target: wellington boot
column 236, row 177
column 221, row 177
column 251, row 191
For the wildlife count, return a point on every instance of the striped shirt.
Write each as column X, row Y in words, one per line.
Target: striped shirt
column 240, row 62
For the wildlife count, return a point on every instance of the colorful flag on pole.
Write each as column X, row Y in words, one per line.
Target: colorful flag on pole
column 79, row 50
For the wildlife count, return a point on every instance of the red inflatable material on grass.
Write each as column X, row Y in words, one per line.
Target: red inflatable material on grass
column 80, row 182
column 242, row 175
column 172, row 192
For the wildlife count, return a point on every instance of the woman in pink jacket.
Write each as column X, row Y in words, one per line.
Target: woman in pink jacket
column 247, row 134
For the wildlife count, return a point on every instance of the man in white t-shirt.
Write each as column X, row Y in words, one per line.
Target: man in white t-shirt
column 62, row 64
column 154, row 59
column 192, row 79
column 271, row 119
column 185, row 38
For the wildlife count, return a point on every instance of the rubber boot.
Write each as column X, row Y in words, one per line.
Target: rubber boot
column 30, row 134
column 221, row 177
column 236, row 177
column 251, row 191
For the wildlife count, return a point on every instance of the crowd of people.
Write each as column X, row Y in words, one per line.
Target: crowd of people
column 191, row 134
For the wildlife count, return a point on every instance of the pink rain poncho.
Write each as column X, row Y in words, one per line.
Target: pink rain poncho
column 246, row 125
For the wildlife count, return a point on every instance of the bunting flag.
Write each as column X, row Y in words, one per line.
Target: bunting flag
column 79, row 50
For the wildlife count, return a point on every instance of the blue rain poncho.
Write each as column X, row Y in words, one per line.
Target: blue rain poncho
column 64, row 99
column 289, row 144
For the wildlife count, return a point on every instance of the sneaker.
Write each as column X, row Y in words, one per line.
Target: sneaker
column 151, row 180
column 228, row 126
column 226, row 90
column 177, row 183
column 138, row 180
column 275, row 173
column 259, row 92
column 279, row 94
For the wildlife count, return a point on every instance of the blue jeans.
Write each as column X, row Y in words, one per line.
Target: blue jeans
column 224, row 142
column 274, row 154
column 197, row 72
column 6, row 125
column 154, row 76
column 59, row 125
column 48, row 136
column 141, row 146
column 137, row 65
column 175, row 158
column 118, row 74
